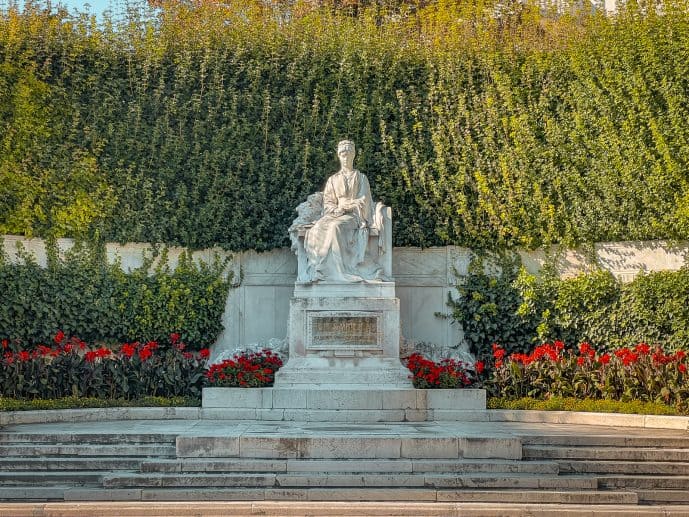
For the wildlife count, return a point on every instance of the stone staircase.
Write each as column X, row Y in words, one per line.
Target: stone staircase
column 654, row 468
column 356, row 463
column 47, row 466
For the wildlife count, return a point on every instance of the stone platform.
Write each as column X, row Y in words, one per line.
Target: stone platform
column 344, row 405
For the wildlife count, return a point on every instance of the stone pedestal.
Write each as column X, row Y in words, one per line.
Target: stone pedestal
column 344, row 336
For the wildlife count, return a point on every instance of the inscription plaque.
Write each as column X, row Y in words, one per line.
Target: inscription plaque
column 343, row 331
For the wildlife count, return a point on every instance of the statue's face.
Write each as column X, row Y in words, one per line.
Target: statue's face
column 346, row 154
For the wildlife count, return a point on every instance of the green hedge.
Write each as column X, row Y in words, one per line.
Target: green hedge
column 11, row 404
column 636, row 407
column 480, row 127
column 499, row 302
column 82, row 295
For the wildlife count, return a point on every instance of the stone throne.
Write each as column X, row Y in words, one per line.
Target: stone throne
column 343, row 333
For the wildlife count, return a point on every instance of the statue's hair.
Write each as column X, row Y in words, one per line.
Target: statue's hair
column 343, row 143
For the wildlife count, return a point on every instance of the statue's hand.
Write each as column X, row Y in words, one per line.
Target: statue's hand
column 338, row 212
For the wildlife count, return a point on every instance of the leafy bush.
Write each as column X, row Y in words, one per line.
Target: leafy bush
column 72, row 368
column 207, row 124
column 83, row 295
column 499, row 302
column 245, row 370
column 640, row 373
column 445, row 374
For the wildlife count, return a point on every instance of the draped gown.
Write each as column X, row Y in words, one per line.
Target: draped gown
column 336, row 244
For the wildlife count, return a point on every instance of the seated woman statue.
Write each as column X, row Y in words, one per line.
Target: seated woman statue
column 336, row 244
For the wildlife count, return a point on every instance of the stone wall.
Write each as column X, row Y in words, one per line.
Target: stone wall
column 257, row 307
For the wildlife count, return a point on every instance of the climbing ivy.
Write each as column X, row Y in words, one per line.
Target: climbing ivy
column 205, row 123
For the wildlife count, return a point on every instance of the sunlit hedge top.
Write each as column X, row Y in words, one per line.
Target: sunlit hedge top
column 481, row 126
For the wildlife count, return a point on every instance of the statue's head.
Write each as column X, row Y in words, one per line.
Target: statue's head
column 346, row 152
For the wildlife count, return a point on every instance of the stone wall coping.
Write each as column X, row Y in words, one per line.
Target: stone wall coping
column 195, row 413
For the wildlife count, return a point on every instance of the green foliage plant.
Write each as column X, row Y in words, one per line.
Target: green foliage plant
column 81, row 293
column 489, row 305
column 498, row 301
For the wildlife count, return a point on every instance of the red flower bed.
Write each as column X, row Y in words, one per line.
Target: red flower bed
column 245, row 370
column 71, row 367
column 641, row 372
column 446, row 374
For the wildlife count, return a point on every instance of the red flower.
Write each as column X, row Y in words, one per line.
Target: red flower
column 90, row 356
column 682, row 368
column 59, row 337
column 642, row 348
column 174, row 337
column 498, row 352
column 145, row 353
column 23, row 355
column 103, row 352
column 586, row 349
column 480, row 366
column 604, row 359
column 5, row 343
column 187, row 355
column 204, row 353
column 128, row 350
column 152, row 345
column 580, row 361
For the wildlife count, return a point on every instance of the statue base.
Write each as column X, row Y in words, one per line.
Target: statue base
column 344, row 336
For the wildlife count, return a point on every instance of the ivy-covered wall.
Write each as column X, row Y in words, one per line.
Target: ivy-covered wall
column 480, row 127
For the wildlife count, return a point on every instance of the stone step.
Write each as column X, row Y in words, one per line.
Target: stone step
column 90, row 438
column 663, row 496
column 69, row 463
column 353, row 494
column 625, row 467
column 63, row 477
column 363, row 480
column 609, row 440
column 32, row 493
column 351, row 466
column 606, row 453
column 348, row 444
column 45, row 450
column 644, row 482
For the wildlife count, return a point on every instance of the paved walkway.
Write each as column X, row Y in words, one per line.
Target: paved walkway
column 306, row 429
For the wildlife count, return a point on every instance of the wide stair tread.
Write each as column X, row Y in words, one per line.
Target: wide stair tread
column 328, row 479
column 359, row 494
column 641, row 454
column 85, row 449
column 667, row 468
column 348, row 466
column 93, row 438
column 15, row 478
column 67, row 463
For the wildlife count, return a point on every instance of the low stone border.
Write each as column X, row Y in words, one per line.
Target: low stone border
column 490, row 415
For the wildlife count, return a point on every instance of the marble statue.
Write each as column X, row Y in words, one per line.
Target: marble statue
column 336, row 226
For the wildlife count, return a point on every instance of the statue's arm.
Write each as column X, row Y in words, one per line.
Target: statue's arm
column 329, row 197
